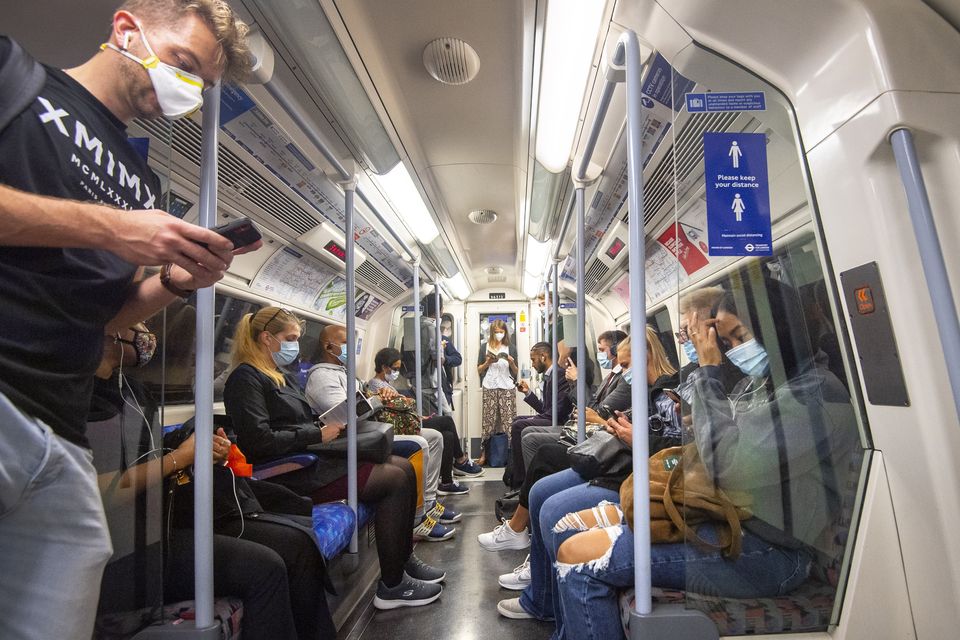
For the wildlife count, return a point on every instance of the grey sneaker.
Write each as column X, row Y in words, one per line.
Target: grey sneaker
column 419, row 570
column 409, row 593
column 511, row 608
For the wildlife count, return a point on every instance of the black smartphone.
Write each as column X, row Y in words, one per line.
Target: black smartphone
column 241, row 232
column 673, row 395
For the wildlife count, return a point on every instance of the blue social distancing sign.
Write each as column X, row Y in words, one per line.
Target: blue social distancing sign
column 738, row 194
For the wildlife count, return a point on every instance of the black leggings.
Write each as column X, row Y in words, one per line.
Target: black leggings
column 392, row 486
column 311, row 613
column 452, row 450
column 243, row 569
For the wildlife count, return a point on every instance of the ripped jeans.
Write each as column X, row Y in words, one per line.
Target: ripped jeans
column 588, row 593
column 551, row 498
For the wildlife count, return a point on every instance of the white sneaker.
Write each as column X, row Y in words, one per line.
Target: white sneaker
column 511, row 609
column 518, row 579
column 503, row 537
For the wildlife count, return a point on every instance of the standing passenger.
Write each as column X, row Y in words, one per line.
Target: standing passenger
column 498, row 370
column 70, row 244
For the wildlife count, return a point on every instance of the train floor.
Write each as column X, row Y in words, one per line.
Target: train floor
column 467, row 609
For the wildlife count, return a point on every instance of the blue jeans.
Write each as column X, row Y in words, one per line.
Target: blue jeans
column 589, row 596
column 53, row 535
column 551, row 498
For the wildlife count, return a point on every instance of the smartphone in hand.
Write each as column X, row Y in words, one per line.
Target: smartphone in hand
column 241, row 232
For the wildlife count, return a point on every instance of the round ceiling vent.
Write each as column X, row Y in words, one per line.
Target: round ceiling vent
column 483, row 216
column 451, row 61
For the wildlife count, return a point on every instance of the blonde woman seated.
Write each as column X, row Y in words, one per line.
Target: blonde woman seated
column 272, row 418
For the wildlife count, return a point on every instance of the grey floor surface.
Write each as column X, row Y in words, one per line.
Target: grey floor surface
column 467, row 610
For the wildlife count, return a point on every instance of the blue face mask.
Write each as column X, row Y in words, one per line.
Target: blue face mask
column 691, row 352
column 750, row 357
column 628, row 376
column 603, row 360
column 343, row 354
column 287, row 354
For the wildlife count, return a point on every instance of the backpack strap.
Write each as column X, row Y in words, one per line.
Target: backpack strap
column 21, row 79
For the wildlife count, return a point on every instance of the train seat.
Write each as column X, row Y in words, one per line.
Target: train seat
column 808, row 608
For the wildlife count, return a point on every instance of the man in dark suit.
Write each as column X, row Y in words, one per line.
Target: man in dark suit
column 542, row 362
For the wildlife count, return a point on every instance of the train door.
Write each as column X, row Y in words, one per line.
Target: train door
column 476, row 333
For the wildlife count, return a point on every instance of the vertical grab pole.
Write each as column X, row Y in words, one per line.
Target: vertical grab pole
column 418, row 376
column 638, row 345
column 555, row 302
column 203, row 423
column 436, row 305
column 349, row 193
column 931, row 255
column 581, row 318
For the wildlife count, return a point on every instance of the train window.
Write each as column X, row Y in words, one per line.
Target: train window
column 764, row 401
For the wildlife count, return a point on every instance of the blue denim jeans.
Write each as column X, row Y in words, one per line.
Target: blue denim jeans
column 53, row 535
column 551, row 498
column 588, row 596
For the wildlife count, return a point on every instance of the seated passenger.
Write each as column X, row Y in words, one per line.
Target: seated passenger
column 542, row 362
column 778, row 439
column 498, row 375
column 273, row 418
column 550, row 458
column 327, row 387
column 613, row 394
column 276, row 571
column 701, row 301
column 455, row 461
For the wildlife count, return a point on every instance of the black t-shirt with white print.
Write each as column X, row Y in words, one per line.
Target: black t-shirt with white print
column 55, row 303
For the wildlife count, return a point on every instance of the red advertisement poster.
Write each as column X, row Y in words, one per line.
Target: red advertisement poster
column 688, row 254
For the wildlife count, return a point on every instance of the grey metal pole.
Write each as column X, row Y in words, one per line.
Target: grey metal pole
column 638, row 345
column 563, row 230
column 581, row 320
column 931, row 255
column 555, row 303
column 436, row 304
column 203, row 399
column 418, row 377
column 349, row 189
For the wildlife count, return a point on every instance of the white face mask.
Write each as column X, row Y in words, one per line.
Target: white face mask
column 499, row 336
column 393, row 375
column 179, row 93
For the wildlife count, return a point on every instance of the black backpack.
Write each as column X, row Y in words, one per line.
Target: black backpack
column 21, row 79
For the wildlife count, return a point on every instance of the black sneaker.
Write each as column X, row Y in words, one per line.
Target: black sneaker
column 418, row 570
column 409, row 593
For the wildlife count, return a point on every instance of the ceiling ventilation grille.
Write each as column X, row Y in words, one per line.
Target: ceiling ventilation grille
column 658, row 189
column 451, row 61
column 379, row 279
column 593, row 277
column 235, row 175
column 496, row 279
column 482, row 216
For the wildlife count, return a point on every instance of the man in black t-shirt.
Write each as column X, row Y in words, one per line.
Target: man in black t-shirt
column 77, row 217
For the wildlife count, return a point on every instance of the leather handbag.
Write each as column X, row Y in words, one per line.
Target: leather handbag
column 374, row 443
column 601, row 454
column 679, row 480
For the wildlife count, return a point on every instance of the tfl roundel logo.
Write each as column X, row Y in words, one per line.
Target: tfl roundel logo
column 749, row 247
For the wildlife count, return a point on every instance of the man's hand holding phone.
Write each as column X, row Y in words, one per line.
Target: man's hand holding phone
column 523, row 387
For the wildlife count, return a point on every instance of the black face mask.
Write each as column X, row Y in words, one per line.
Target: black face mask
column 144, row 343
